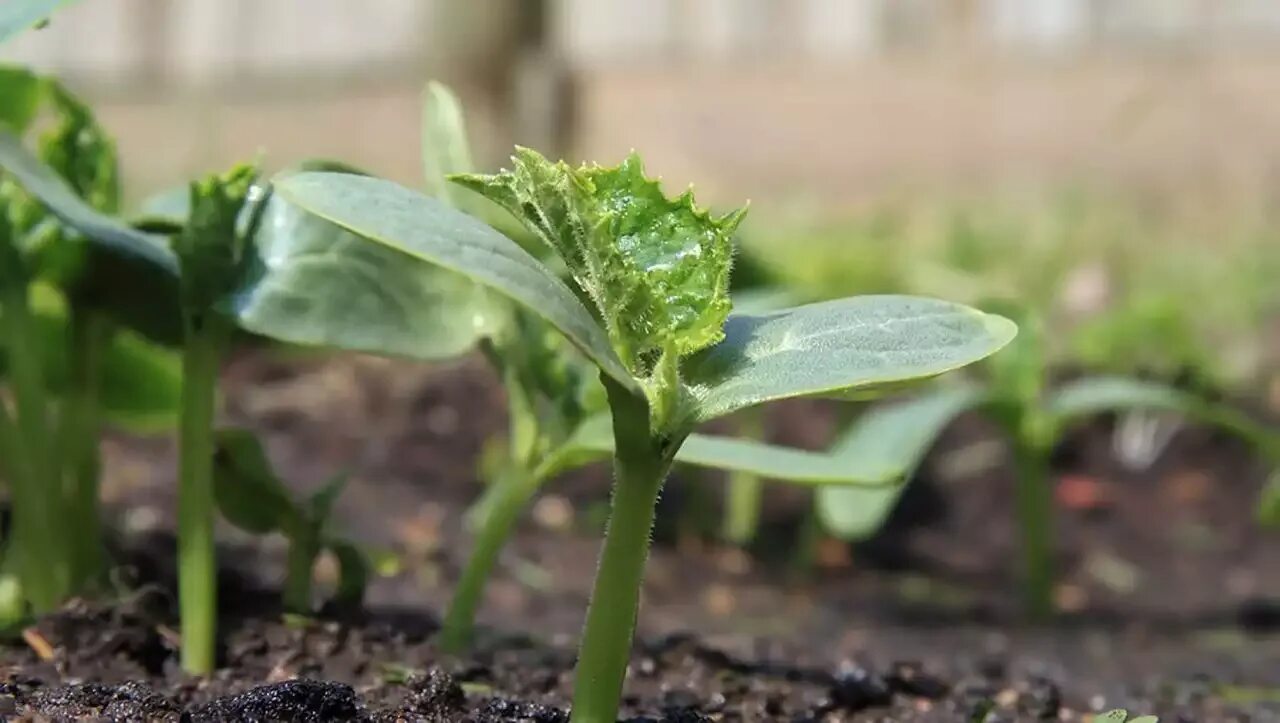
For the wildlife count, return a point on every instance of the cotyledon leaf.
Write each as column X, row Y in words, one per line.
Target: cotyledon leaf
column 313, row 282
column 18, row 15
column 445, row 149
column 594, row 439
column 1095, row 395
column 896, row 436
column 134, row 277
column 424, row 230
column 246, row 489
column 858, row 343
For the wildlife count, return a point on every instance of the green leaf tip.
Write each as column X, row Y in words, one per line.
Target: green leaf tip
column 656, row 268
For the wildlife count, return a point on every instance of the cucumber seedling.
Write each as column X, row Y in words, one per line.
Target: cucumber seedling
column 647, row 304
column 252, row 497
column 82, row 293
column 1017, row 396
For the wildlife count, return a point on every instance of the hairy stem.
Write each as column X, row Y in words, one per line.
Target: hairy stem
column 197, row 563
column 1035, row 516
column 640, row 466
column 78, row 445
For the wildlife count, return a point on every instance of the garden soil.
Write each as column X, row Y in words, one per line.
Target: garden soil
column 1169, row 592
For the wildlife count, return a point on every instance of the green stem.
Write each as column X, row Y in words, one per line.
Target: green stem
column 78, row 446
column 39, row 539
column 745, row 492
column 640, row 466
column 197, row 563
column 509, row 496
column 300, row 562
column 742, row 518
column 1035, row 515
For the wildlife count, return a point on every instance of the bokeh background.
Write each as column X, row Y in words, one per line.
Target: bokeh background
column 1079, row 155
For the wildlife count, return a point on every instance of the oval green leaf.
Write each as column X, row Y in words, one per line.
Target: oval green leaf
column 594, row 440
column 427, row 231
column 834, row 347
column 312, row 282
column 247, row 491
column 897, row 437
column 1096, row 395
column 133, row 277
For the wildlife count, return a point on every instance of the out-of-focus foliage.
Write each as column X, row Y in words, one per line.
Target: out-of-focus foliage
column 1170, row 289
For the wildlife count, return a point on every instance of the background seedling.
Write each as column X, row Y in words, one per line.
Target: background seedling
column 210, row 249
column 1034, row 416
column 252, row 497
column 74, row 313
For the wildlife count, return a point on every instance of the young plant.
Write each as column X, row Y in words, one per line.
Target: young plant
column 72, row 352
column 252, row 497
column 1018, row 398
column 209, row 248
column 654, row 272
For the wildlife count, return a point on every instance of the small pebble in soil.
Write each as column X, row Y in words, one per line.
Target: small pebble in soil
column 1042, row 699
column 500, row 710
column 434, row 696
column 909, row 678
column 855, row 688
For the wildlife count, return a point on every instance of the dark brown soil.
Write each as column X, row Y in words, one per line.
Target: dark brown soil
column 1168, row 588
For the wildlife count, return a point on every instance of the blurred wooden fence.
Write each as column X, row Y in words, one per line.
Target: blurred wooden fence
column 745, row 92
column 609, row 30
column 124, row 43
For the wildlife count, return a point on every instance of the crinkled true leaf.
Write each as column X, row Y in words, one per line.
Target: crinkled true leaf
column 656, row 268
column 896, row 436
column 833, row 347
column 247, row 491
column 133, row 277
column 310, row 281
column 79, row 149
column 594, row 439
column 21, row 91
column 18, row 15
column 210, row 247
column 425, row 231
